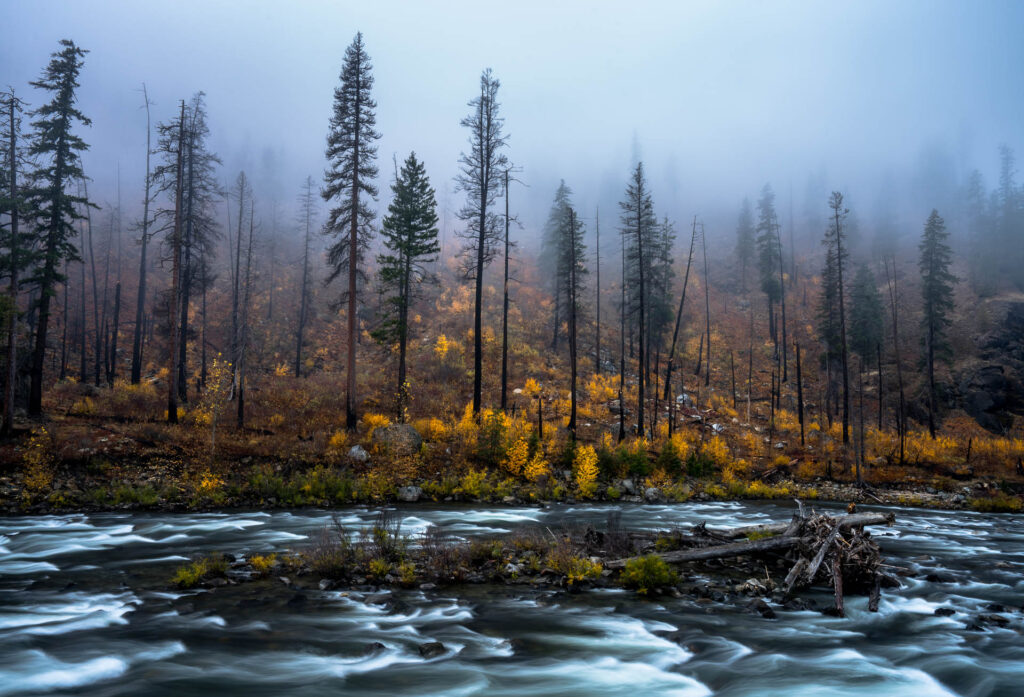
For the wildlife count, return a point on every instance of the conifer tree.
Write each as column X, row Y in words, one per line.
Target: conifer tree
column 307, row 210
column 480, row 175
column 12, row 204
column 937, row 296
column 410, row 234
column 58, row 150
column 746, row 242
column 769, row 254
column 637, row 226
column 835, row 236
column 866, row 331
column 348, row 181
column 551, row 244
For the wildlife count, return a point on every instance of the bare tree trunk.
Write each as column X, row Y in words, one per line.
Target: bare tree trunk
column 799, row 395
column 245, row 323
column 303, row 295
column 679, row 312
column 12, row 318
column 572, row 323
column 140, row 304
column 622, row 347
column 842, row 332
column 112, row 370
column 597, row 333
column 172, row 314
column 64, row 326
column 504, row 314
column 782, row 300
column 901, row 422
column 707, row 304
column 95, row 292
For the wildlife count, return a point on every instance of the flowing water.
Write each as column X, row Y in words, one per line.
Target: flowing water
column 84, row 611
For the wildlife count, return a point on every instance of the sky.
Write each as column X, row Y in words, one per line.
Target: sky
column 891, row 102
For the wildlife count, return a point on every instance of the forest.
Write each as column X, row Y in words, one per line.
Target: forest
column 208, row 347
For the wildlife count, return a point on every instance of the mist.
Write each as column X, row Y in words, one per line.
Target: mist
column 892, row 103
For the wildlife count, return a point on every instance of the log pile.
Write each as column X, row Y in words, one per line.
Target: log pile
column 817, row 549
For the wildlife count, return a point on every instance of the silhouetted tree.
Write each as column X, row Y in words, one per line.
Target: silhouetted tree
column 769, row 254
column 937, row 298
column 57, row 148
column 480, row 173
column 349, row 181
column 746, row 242
column 307, row 210
column 866, row 330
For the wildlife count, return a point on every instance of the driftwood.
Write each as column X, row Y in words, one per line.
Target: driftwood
column 822, row 550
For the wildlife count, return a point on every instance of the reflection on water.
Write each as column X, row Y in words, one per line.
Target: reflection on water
column 79, row 614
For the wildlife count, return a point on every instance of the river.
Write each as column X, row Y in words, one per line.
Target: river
column 84, row 611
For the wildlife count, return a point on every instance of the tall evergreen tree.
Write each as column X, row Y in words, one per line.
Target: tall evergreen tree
column 58, row 150
column 12, row 204
column 569, row 274
column 746, row 242
column 769, row 254
column 835, row 236
column 937, row 297
column 866, row 330
column 637, row 227
column 480, row 175
column 307, row 210
column 551, row 245
column 410, row 236
column 349, row 181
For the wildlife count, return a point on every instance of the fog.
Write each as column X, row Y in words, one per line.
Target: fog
column 893, row 103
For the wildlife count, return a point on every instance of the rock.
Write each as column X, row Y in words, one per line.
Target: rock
column 397, row 439
column 325, row 584
column 997, row 620
column 358, row 453
column 511, row 569
column 509, row 500
column 432, row 649
column 652, row 494
column 944, row 612
column 627, row 486
column 939, row 577
column 684, row 400
column 285, row 580
column 428, row 586
column 752, row 586
column 762, row 608
column 373, row 647
column 409, row 494
column 217, row 582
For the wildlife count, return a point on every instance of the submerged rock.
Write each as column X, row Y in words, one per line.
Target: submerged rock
column 432, row 649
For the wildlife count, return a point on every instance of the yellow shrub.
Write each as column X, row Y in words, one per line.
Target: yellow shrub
column 337, row 442
column 517, row 457
column 281, row 370
column 262, row 564
column 585, row 470
column 432, row 428
column 717, row 450
column 442, row 346
column 537, row 467
column 38, row 461
column 209, row 483
column 786, row 420
column 599, row 388
column 372, row 421
column 83, row 407
column 531, row 388
column 276, row 420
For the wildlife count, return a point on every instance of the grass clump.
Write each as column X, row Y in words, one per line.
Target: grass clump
column 645, row 574
column 198, row 570
column 1000, row 503
column 262, row 563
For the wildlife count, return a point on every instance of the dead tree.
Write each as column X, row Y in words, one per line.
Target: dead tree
column 140, row 304
column 173, row 303
column 679, row 313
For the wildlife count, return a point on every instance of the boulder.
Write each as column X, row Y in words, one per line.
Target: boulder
column 432, row 649
column 409, row 494
column 397, row 439
column 652, row 494
column 358, row 453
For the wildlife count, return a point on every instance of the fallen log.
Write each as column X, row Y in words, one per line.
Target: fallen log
column 729, row 549
column 846, row 522
column 769, row 538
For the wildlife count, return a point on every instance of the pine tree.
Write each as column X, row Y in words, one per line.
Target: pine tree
column 348, row 180
column 410, row 236
column 12, row 203
column 866, row 330
column 746, row 242
column 570, row 274
column 58, row 150
column 480, row 175
column 551, row 244
column 768, row 254
column 834, row 238
column 637, row 227
column 937, row 296
column 307, row 210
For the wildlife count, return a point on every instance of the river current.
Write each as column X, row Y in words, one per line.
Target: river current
column 84, row 611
